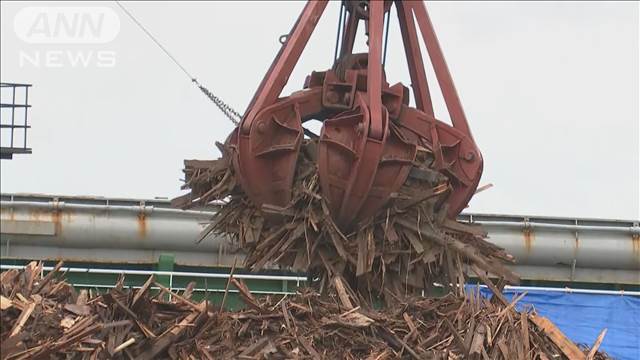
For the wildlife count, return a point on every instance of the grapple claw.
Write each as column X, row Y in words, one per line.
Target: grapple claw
column 341, row 144
column 370, row 134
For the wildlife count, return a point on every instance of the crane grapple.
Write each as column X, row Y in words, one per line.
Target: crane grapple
column 370, row 135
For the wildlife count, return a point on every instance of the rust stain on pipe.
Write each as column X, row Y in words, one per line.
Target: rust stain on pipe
column 35, row 215
column 529, row 239
column 635, row 243
column 56, row 217
column 142, row 225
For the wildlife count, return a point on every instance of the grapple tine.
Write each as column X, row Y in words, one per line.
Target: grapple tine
column 342, row 143
column 266, row 156
column 459, row 156
column 392, row 172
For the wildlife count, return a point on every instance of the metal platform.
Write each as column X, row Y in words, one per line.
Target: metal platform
column 14, row 108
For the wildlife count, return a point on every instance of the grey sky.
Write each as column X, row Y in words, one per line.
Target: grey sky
column 550, row 90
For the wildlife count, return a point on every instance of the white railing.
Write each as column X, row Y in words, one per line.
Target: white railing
column 297, row 279
column 567, row 290
column 172, row 275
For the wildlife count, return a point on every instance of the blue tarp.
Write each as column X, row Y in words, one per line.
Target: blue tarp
column 581, row 317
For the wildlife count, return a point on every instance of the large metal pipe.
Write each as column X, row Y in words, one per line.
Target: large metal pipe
column 116, row 226
column 550, row 246
column 633, row 230
column 97, row 229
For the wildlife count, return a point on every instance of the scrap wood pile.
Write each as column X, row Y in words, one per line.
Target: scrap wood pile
column 46, row 318
column 406, row 248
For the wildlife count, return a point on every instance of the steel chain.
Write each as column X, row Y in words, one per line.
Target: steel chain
column 227, row 110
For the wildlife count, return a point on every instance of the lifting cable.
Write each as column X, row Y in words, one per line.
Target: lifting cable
column 229, row 112
column 342, row 19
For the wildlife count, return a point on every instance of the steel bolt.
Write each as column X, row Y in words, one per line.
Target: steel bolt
column 469, row 156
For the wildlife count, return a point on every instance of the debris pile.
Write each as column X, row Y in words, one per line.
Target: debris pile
column 46, row 318
column 406, row 248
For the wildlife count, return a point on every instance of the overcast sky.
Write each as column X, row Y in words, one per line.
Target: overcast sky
column 550, row 90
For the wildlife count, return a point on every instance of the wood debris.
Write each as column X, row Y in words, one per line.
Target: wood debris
column 409, row 248
column 126, row 323
column 403, row 250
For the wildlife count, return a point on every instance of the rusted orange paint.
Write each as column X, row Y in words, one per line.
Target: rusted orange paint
column 57, row 221
column 529, row 238
column 142, row 225
column 35, row 215
column 55, row 216
column 635, row 241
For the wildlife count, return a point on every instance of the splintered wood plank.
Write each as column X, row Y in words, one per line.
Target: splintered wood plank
column 124, row 345
column 504, row 349
column 31, row 272
column 335, row 237
column 310, row 349
column 81, row 310
column 191, row 304
column 485, row 280
column 568, row 348
column 49, row 276
column 596, row 345
column 355, row 319
column 201, row 164
column 22, row 319
column 285, row 313
column 255, row 348
column 5, row 303
column 361, row 266
column 122, row 306
column 169, row 337
column 476, row 348
column 342, row 293
column 524, row 326
column 245, row 294
column 82, row 297
column 226, row 288
column 412, row 327
column 456, row 336
column 415, row 241
column 142, row 290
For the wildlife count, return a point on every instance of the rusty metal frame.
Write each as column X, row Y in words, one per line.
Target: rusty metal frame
column 414, row 58
column 383, row 131
column 276, row 78
column 9, row 128
column 449, row 93
column 267, row 179
column 349, row 34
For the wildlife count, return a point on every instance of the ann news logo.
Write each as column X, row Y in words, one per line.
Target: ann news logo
column 67, row 36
